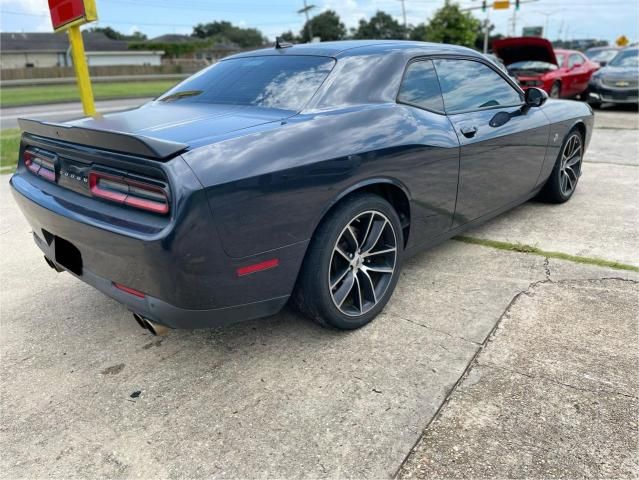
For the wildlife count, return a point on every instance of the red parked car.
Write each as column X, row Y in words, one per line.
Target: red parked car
column 534, row 62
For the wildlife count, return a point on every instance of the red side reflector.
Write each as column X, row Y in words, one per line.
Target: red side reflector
column 257, row 267
column 128, row 290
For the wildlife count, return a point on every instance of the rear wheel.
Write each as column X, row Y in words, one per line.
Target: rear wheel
column 562, row 183
column 353, row 263
column 555, row 90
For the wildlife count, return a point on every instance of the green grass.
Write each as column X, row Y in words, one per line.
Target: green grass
column 523, row 248
column 33, row 95
column 9, row 145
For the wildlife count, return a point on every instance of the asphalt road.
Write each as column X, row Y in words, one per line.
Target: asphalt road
column 87, row 393
column 59, row 112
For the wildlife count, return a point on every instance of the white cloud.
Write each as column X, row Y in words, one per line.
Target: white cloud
column 37, row 9
column 26, row 6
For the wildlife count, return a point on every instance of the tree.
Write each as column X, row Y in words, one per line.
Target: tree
column 451, row 25
column 226, row 32
column 137, row 36
column 115, row 35
column 327, row 26
column 288, row 36
column 380, row 27
column 418, row 32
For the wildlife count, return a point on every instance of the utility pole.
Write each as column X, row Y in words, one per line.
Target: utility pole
column 513, row 25
column 404, row 15
column 486, row 30
column 307, row 8
column 547, row 16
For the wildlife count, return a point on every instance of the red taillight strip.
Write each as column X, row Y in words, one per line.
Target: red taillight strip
column 39, row 165
column 129, row 290
column 257, row 267
column 127, row 198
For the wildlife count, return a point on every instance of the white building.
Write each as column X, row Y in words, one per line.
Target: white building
column 20, row 50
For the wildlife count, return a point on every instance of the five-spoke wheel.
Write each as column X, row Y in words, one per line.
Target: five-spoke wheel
column 363, row 263
column 564, row 177
column 352, row 265
column 570, row 165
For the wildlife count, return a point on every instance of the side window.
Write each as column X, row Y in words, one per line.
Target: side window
column 574, row 59
column 561, row 60
column 469, row 85
column 420, row 86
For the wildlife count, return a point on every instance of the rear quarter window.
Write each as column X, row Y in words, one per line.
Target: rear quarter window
column 420, row 87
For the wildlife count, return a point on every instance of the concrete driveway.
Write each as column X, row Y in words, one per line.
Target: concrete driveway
column 87, row 393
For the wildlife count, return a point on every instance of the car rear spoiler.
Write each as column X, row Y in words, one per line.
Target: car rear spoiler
column 104, row 139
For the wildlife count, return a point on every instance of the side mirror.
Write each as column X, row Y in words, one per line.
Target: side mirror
column 576, row 65
column 535, row 97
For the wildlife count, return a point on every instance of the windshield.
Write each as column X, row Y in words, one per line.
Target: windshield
column 282, row 82
column 533, row 65
column 602, row 55
column 626, row 58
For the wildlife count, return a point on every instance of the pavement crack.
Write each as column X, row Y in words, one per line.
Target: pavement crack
column 621, row 164
column 532, row 250
column 474, row 360
column 547, row 268
column 436, row 330
column 555, row 381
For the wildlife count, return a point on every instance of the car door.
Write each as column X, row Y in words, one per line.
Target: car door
column 578, row 73
column 587, row 69
column 434, row 152
column 502, row 143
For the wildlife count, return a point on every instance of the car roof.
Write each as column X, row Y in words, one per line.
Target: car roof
column 565, row 50
column 353, row 47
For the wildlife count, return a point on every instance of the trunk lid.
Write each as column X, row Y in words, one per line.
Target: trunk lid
column 191, row 124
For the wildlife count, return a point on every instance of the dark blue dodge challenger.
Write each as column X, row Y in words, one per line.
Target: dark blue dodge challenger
column 304, row 172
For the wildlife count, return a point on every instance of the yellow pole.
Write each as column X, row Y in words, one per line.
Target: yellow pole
column 81, row 70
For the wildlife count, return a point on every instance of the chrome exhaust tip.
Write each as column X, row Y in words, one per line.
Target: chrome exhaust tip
column 156, row 329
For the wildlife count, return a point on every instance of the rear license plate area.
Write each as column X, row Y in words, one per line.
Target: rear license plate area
column 68, row 255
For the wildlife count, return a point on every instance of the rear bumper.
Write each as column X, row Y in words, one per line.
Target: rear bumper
column 186, row 278
column 162, row 312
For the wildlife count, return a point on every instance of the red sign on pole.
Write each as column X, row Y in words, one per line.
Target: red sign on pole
column 67, row 13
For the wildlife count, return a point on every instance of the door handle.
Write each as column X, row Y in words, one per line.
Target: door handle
column 468, row 132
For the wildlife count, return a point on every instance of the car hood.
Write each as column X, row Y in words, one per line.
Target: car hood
column 518, row 49
column 192, row 124
column 621, row 73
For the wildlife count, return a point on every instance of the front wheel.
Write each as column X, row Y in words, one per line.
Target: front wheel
column 562, row 183
column 353, row 263
column 555, row 90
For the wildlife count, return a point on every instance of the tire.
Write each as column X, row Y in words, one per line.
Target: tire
column 347, row 293
column 595, row 105
column 565, row 173
column 555, row 90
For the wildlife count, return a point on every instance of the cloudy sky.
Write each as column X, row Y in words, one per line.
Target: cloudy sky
column 605, row 19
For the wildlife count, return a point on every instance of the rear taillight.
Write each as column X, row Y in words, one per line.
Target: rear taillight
column 126, row 191
column 41, row 165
